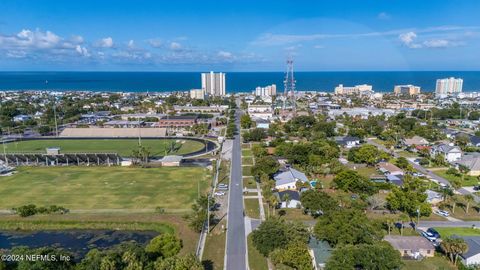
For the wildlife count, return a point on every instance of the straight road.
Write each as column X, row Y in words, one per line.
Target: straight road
column 236, row 248
column 425, row 171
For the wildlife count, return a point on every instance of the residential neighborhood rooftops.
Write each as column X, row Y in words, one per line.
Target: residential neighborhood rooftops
column 294, row 195
column 473, row 243
column 415, row 140
column 408, row 242
column 389, row 168
column 289, row 175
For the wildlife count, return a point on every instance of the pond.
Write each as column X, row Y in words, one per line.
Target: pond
column 78, row 242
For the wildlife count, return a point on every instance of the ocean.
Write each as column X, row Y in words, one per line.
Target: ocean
column 235, row 81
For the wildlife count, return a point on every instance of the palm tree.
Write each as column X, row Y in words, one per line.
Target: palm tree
column 455, row 201
column 454, row 247
column 389, row 222
column 468, row 199
column 287, row 199
column 463, row 170
column 273, row 203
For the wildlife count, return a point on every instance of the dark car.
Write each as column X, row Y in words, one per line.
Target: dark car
column 476, row 188
column 433, row 232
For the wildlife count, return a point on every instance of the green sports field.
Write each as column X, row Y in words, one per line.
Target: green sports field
column 124, row 147
column 86, row 188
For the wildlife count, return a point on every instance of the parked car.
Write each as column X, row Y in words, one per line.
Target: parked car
column 429, row 236
column 476, row 188
column 219, row 193
column 442, row 213
column 433, row 232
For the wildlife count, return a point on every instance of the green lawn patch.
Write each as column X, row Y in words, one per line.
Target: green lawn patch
column 124, row 147
column 294, row 214
column 467, row 182
column 246, row 152
column 256, row 261
column 249, row 182
column 367, row 171
column 252, row 208
column 214, row 253
column 247, row 170
column 460, row 231
column 104, row 187
column 247, row 161
column 245, row 146
column 434, row 263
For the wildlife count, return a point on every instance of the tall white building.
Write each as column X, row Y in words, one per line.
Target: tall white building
column 448, row 86
column 213, row 84
column 269, row 90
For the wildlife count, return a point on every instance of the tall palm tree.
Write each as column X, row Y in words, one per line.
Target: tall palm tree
column 287, row 199
column 455, row 201
column 454, row 247
column 403, row 218
column 273, row 203
column 468, row 199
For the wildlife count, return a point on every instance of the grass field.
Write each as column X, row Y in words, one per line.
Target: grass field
column 104, row 187
column 460, row 231
column 123, row 147
column 256, row 260
column 467, row 181
column 252, row 208
column 435, row 263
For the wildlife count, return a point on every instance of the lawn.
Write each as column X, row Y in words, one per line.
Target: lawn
column 256, row 260
column 434, row 263
column 247, row 161
column 252, row 208
column 214, row 252
column 460, row 231
column 246, row 152
column 124, row 147
column 171, row 188
column 468, row 181
column 249, row 182
column 367, row 171
column 294, row 214
column 247, row 170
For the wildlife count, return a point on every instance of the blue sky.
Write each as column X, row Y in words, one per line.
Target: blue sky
column 240, row 35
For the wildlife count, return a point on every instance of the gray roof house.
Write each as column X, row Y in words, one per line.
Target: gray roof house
column 472, row 256
column 472, row 162
column 452, row 153
column 288, row 178
column 415, row 140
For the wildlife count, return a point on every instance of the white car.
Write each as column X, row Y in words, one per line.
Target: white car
column 442, row 213
column 429, row 236
column 219, row 193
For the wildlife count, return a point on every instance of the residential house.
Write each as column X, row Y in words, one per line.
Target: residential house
column 472, row 256
column 21, row 118
column 472, row 162
column 320, row 251
column 389, row 169
column 450, row 152
column 475, row 141
column 414, row 141
column 433, row 197
column 411, row 246
column 347, row 141
column 293, row 198
column 262, row 123
column 288, row 178
column 171, row 161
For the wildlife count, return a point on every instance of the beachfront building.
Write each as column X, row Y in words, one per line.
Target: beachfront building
column 213, row 84
column 197, row 94
column 269, row 90
column 363, row 89
column 408, row 89
column 448, row 86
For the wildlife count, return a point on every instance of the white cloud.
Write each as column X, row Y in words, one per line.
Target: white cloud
column 318, row 47
column 225, row 55
column 155, row 42
column 384, row 16
column 408, row 39
column 106, row 42
column 82, row 51
column 270, row 39
column 131, row 44
column 440, row 43
column 175, row 46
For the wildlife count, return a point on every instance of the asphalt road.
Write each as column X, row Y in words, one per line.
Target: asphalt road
column 236, row 248
column 425, row 171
